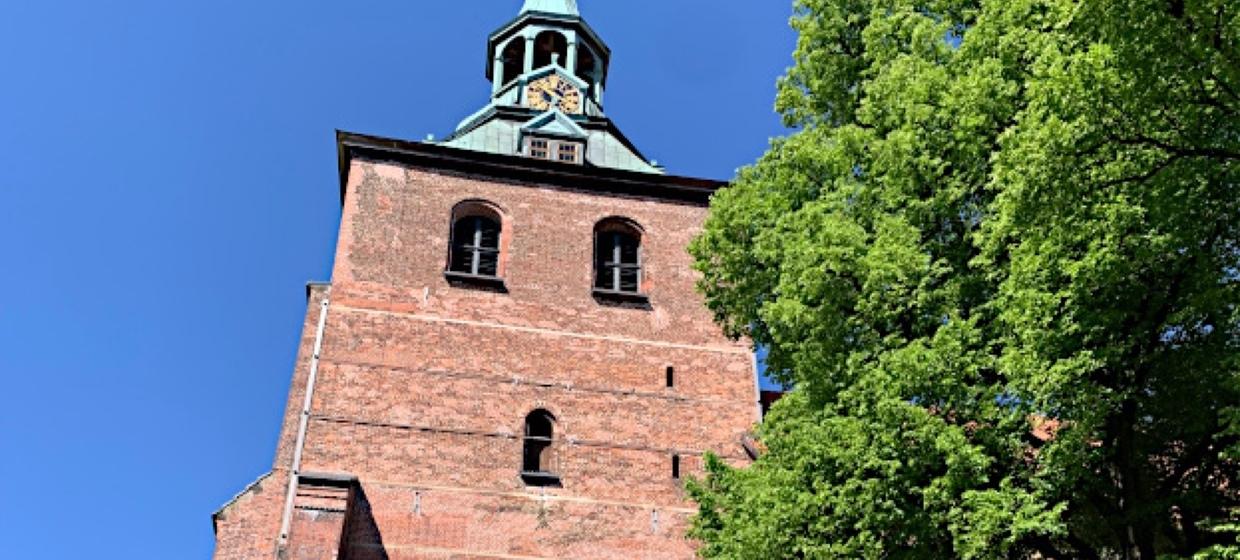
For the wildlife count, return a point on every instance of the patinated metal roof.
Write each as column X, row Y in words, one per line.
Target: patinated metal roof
column 558, row 7
column 524, row 170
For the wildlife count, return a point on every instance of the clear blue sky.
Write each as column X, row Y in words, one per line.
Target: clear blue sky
column 169, row 184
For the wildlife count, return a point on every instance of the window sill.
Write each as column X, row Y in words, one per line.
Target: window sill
column 541, row 479
column 475, row 282
column 627, row 300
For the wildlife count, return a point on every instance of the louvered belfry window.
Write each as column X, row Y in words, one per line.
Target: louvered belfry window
column 475, row 246
column 617, row 258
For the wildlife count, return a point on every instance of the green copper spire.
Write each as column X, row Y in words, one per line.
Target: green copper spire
column 548, row 69
column 559, row 7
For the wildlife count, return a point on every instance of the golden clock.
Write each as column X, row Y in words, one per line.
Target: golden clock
column 553, row 91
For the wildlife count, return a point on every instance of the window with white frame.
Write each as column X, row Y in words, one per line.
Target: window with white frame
column 563, row 151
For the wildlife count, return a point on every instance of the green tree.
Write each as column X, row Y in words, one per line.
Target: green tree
column 999, row 259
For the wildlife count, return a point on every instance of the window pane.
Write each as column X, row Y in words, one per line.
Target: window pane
column 602, row 254
column 463, row 232
column 603, row 278
column 488, row 263
column 462, row 238
column 462, row 261
column 534, row 456
column 628, row 250
column 490, row 234
column 629, row 278
column 568, row 152
column 540, row 149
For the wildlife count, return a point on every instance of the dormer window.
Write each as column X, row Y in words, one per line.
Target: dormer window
column 568, row 152
column 540, row 149
column 563, row 151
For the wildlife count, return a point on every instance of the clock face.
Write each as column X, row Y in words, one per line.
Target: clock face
column 553, row 91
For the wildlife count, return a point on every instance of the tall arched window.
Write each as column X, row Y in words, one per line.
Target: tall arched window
column 514, row 59
column 617, row 258
column 586, row 64
column 538, row 458
column 476, row 245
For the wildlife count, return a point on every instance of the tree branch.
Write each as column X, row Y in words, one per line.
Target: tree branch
column 1205, row 152
column 1148, row 175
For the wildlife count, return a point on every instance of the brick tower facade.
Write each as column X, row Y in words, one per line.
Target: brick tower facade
column 511, row 360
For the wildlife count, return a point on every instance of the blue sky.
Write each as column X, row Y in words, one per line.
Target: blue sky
column 169, row 185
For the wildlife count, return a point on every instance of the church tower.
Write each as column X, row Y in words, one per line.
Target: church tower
column 511, row 360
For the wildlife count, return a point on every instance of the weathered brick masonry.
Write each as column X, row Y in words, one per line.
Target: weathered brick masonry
column 543, row 396
column 423, row 387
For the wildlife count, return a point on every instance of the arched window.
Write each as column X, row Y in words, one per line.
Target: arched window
column 513, row 56
column 617, row 258
column 586, row 64
column 538, row 459
column 476, row 236
column 550, row 47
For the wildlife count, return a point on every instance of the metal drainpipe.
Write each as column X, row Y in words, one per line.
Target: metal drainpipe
column 294, row 476
column 757, row 383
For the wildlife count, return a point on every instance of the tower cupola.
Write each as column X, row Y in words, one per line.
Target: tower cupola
column 549, row 33
column 548, row 70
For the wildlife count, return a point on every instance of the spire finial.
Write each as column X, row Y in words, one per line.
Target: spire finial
column 558, row 7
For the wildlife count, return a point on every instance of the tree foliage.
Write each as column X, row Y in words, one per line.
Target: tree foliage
column 996, row 220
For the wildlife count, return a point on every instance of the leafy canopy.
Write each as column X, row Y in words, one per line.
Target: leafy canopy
column 999, row 260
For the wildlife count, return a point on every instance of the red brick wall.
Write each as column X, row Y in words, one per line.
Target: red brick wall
column 317, row 526
column 246, row 528
column 424, row 387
